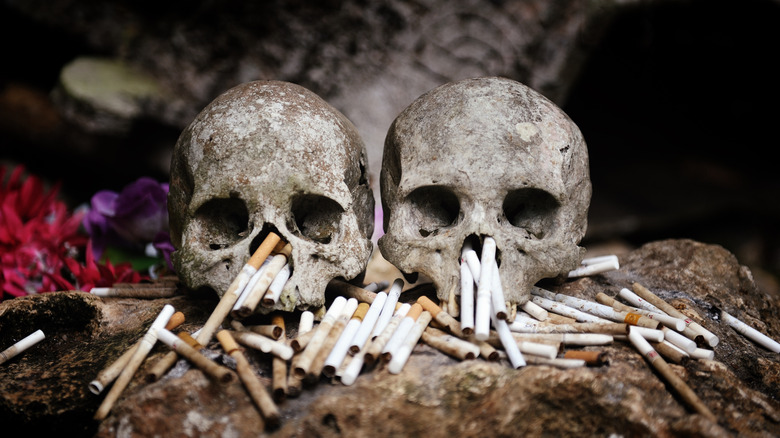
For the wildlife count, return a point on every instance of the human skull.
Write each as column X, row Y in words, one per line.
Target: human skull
column 270, row 156
column 484, row 157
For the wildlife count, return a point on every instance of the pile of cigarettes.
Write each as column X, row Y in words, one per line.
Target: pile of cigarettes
column 367, row 327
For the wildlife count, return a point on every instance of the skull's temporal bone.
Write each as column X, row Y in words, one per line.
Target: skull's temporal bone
column 270, row 156
column 484, row 157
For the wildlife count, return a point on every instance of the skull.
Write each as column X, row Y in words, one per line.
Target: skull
column 484, row 157
column 270, row 156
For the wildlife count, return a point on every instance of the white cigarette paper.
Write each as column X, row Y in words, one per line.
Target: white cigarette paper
column 250, row 284
column 497, row 296
column 388, row 309
column 535, row 310
column 401, row 355
column 466, row 298
column 750, row 333
column 471, row 259
column 367, row 324
column 404, row 327
column 562, row 309
column 510, row 345
column 374, row 349
column 595, row 268
column 483, row 306
column 26, row 342
column 275, row 289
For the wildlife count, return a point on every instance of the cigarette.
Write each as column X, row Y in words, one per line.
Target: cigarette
column 669, row 321
column 535, row 310
column 251, row 382
column 249, row 286
column 389, row 308
column 651, row 335
column 404, row 327
column 263, row 343
column 470, row 258
column 591, row 358
column 279, row 365
column 750, row 333
column 340, row 287
column 483, row 306
column 143, row 291
column 26, row 342
column 453, row 305
column 376, row 286
column 345, row 341
column 273, row 331
column 660, row 365
column 449, row 344
column 352, row 370
column 374, row 350
column 557, row 362
column 594, row 268
column 109, row 373
column 401, row 355
column 440, row 316
column 580, row 339
column 330, row 341
column 683, row 343
column 141, row 351
column 306, row 357
column 599, row 310
column 230, row 296
column 258, row 291
column 510, row 345
column 275, row 289
column 366, row 326
column 607, row 327
column 599, row 259
column 562, row 309
column 645, row 293
column 486, row 350
column 670, row 352
column 305, row 325
column 218, row 372
column 703, row 353
column 497, row 296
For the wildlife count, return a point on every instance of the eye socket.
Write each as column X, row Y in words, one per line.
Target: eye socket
column 316, row 217
column 223, row 222
column 434, row 208
column 532, row 210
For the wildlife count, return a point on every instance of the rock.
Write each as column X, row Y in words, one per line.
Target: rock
column 44, row 390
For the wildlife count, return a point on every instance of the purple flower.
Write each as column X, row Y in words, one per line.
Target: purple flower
column 130, row 219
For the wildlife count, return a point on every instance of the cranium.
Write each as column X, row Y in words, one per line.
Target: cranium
column 484, row 157
column 270, row 156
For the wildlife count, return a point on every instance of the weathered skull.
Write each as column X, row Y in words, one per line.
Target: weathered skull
column 484, row 157
column 270, row 156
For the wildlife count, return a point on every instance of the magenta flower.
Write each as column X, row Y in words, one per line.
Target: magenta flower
column 130, row 219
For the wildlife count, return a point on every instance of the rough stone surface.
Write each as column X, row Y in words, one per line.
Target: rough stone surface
column 270, row 156
column 485, row 157
column 44, row 390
